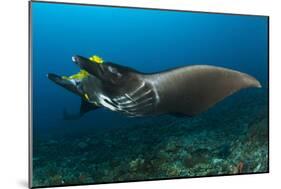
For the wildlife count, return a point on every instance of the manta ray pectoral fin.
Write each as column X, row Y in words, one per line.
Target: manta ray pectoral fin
column 84, row 108
column 87, row 107
column 200, row 87
column 213, row 84
column 63, row 82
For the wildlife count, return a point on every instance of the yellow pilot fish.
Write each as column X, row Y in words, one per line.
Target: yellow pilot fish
column 83, row 73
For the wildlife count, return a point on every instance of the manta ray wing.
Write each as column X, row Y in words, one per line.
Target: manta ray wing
column 193, row 89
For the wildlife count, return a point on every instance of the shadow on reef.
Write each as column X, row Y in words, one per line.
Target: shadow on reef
column 229, row 139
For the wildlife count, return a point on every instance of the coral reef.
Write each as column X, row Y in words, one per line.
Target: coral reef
column 229, row 139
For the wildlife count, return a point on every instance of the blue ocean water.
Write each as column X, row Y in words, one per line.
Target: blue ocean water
column 146, row 40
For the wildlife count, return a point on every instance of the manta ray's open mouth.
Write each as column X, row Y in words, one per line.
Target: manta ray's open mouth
column 93, row 68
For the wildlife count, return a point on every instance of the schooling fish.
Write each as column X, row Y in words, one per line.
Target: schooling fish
column 187, row 90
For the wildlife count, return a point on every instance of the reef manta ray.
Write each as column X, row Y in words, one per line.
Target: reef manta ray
column 187, row 90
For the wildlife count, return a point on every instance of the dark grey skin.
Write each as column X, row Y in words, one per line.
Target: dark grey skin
column 187, row 90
